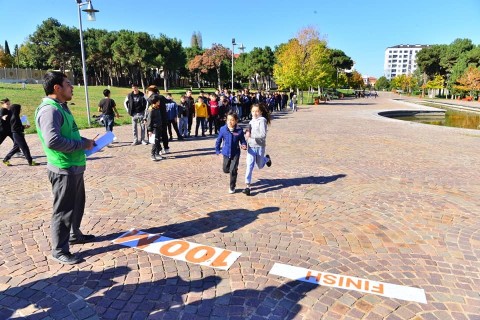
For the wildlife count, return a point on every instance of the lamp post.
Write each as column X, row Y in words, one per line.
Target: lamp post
column 91, row 17
column 233, row 49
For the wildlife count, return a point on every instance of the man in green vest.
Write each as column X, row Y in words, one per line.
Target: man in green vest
column 65, row 151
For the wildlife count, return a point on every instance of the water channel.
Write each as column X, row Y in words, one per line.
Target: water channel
column 449, row 118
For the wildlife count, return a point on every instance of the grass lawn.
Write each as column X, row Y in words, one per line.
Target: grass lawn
column 32, row 95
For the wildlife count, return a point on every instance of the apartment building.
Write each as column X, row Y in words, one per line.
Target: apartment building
column 401, row 59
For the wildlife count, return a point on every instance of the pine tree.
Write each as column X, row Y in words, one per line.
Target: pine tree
column 7, row 48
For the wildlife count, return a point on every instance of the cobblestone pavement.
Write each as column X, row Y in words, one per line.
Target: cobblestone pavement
column 349, row 192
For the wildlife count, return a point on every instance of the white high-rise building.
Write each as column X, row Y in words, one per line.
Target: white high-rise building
column 401, row 59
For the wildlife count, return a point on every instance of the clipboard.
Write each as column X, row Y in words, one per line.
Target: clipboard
column 101, row 143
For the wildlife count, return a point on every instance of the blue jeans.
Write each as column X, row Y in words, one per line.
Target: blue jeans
column 183, row 126
column 109, row 122
column 255, row 155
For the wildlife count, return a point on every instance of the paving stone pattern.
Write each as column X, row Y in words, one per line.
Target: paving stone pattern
column 349, row 192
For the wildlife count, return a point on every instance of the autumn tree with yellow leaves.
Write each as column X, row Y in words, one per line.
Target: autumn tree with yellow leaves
column 469, row 81
column 303, row 62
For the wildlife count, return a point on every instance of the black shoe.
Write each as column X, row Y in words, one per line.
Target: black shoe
column 82, row 239
column 246, row 191
column 66, row 258
column 269, row 162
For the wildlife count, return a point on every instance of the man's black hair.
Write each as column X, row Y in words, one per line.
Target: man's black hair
column 52, row 78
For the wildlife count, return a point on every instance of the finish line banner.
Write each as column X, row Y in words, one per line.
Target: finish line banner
column 179, row 249
column 349, row 283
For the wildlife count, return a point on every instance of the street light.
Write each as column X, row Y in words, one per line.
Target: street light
column 233, row 49
column 91, row 17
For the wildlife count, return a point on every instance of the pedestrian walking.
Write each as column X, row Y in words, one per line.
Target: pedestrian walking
column 108, row 108
column 17, row 128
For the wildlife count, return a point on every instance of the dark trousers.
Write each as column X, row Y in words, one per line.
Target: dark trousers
column 164, row 135
column 213, row 123
column 156, row 146
column 4, row 136
column 201, row 121
column 20, row 144
column 230, row 165
column 68, row 207
column 190, row 122
column 175, row 127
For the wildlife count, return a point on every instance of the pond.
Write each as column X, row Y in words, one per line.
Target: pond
column 449, row 118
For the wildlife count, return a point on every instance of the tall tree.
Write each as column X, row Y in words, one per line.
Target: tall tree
column 196, row 40
column 453, row 51
column 5, row 59
column 260, row 63
column 428, row 60
column 303, row 62
column 53, row 45
column 469, row 81
column 382, row 83
column 356, row 81
column 99, row 55
column 169, row 55
column 133, row 52
column 213, row 58
column 7, row 48
column 340, row 61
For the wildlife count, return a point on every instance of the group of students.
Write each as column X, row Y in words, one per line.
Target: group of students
column 11, row 126
column 216, row 112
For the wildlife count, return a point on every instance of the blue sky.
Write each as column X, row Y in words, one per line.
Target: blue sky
column 362, row 29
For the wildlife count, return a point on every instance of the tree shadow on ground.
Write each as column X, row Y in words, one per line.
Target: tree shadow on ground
column 266, row 185
column 225, row 220
column 111, row 294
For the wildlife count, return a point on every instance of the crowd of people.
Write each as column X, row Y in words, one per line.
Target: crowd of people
column 153, row 118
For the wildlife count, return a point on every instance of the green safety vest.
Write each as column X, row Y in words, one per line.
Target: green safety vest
column 68, row 130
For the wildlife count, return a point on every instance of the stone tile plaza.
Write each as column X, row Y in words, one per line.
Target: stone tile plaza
column 350, row 195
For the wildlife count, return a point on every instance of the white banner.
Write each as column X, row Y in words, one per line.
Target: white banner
column 179, row 249
column 349, row 283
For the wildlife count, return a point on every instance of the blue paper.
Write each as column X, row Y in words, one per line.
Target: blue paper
column 101, row 142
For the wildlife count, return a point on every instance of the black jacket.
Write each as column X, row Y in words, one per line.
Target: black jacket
column 136, row 108
column 154, row 119
column 15, row 121
column 5, row 124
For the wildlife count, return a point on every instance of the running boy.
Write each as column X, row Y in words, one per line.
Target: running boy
column 233, row 139
column 256, row 135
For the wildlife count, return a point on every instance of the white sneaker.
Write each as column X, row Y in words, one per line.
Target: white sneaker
column 144, row 142
column 167, row 151
column 231, row 191
column 158, row 157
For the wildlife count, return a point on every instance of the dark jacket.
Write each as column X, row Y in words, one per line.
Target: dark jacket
column 5, row 124
column 15, row 121
column 190, row 105
column 154, row 119
column 231, row 141
column 136, row 108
